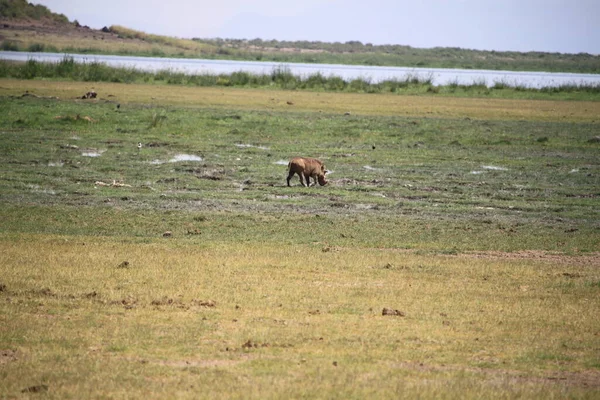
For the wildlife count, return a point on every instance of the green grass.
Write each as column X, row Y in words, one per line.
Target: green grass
column 491, row 178
column 450, row 210
column 22, row 9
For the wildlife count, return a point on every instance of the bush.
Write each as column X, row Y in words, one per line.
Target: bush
column 66, row 67
column 315, row 81
column 10, row 46
column 282, row 76
column 335, row 83
column 36, row 47
column 31, row 70
column 358, row 85
column 240, row 78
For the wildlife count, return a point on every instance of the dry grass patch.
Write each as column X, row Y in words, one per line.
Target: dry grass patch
column 119, row 40
column 278, row 100
column 249, row 320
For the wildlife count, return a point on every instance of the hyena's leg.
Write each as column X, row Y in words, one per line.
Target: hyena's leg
column 290, row 175
column 307, row 177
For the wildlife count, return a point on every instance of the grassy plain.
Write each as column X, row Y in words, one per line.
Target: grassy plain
column 188, row 269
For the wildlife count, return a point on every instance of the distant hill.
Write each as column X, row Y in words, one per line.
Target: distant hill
column 21, row 9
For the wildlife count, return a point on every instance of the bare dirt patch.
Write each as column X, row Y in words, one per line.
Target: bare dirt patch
column 591, row 259
column 46, row 27
column 589, row 379
column 198, row 363
column 8, row 356
column 207, row 363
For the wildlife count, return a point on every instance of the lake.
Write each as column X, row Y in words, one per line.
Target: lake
column 439, row 76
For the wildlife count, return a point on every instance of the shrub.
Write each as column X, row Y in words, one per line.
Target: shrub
column 358, row 85
column 31, row 69
column 240, row 78
column 282, row 76
column 66, row 67
column 335, row 83
column 36, row 47
column 315, row 81
column 177, row 78
column 10, row 46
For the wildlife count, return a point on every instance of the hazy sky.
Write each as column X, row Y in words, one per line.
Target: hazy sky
column 566, row 26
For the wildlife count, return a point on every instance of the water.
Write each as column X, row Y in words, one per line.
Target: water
column 438, row 76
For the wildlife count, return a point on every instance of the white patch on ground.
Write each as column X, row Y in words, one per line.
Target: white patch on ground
column 369, row 168
column 241, row 145
column 156, row 162
column 365, row 206
column 477, row 172
column 38, row 189
column 56, row 164
column 574, row 170
column 185, row 157
column 494, row 168
column 281, row 162
column 92, row 153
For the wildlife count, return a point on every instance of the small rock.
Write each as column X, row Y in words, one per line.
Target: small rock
column 168, row 234
column 124, row 264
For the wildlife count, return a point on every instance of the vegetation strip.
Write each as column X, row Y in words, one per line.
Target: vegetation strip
column 282, row 78
column 307, row 101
